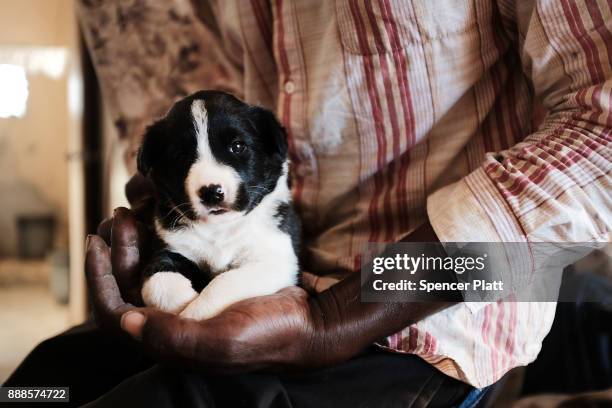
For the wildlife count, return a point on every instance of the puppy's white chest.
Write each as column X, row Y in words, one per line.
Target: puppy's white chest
column 218, row 247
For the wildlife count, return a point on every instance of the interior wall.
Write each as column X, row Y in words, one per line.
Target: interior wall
column 34, row 148
column 36, row 22
column 33, row 165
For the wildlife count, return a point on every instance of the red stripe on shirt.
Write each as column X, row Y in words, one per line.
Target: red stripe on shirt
column 262, row 25
column 378, row 121
column 384, row 68
column 286, row 114
column 402, row 77
column 601, row 26
column 496, row 72
column 578, row 30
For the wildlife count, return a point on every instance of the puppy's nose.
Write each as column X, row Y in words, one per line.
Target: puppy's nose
column 211, row 194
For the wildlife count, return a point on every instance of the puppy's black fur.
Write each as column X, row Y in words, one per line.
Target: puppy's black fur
column 169, row 150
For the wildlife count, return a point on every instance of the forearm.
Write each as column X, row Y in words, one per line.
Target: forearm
column 349, row 325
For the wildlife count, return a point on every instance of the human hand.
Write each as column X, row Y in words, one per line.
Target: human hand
column 131, row 242
column 275, row 332
column 285, row 331
column 140, row 193
column 130, row 232
column 270, row 331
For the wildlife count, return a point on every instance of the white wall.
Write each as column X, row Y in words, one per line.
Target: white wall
column 33, row 149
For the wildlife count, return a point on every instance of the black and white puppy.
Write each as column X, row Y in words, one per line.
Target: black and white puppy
column 224, row 208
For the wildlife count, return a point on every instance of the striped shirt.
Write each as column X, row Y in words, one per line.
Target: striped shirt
column 398, row 112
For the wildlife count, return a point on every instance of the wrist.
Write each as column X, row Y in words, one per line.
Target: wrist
column 313, row 348
column 330, row 340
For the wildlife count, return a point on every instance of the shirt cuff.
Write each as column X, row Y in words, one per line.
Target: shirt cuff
column 472, row 210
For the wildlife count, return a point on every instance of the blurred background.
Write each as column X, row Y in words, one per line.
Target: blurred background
column 58, row 162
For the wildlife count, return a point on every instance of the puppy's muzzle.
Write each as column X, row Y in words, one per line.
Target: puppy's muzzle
column 211, row 195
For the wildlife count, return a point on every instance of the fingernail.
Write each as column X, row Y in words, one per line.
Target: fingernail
column 132, row 322
column 87, row 240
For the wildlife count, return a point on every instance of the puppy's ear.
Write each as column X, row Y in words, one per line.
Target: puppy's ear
column 150, row 149
column 272, row 132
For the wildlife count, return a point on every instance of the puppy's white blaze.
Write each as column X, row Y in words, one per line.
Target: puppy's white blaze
column 207, row 170
column 168, row 291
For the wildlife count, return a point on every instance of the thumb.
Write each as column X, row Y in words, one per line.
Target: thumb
column 167, row 336
column 157, row 328
column 133, row 321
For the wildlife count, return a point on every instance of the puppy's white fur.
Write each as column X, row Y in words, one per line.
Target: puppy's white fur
column 207, row 170
column 168, row 291
column 247, row 253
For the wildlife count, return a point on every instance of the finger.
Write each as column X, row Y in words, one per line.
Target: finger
column 293, row 291
column 195, row 344
column 170, row 336
column 128, row 241
column 210, row 344
column 140, row 193
column 162, row 334
column 105, row 296
column 309, row 281
column 138, row 189
column 104, row 230
column 314, row 283
column 125, row 244
column 132, row 322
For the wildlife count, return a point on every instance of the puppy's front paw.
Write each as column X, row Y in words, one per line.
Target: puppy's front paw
column 201, row 309
column 168, row 291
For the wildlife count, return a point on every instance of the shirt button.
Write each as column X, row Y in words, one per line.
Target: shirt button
column 289, row 87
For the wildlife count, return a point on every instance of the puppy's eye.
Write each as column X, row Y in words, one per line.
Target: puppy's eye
column 237, row 147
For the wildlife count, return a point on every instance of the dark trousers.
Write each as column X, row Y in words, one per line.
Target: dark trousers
column 582, row 334
column 105, row 371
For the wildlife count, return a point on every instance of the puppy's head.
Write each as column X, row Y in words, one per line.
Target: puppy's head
column 213, row 157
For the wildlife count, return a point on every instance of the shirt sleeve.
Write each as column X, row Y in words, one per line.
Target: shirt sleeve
column 555, row 185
